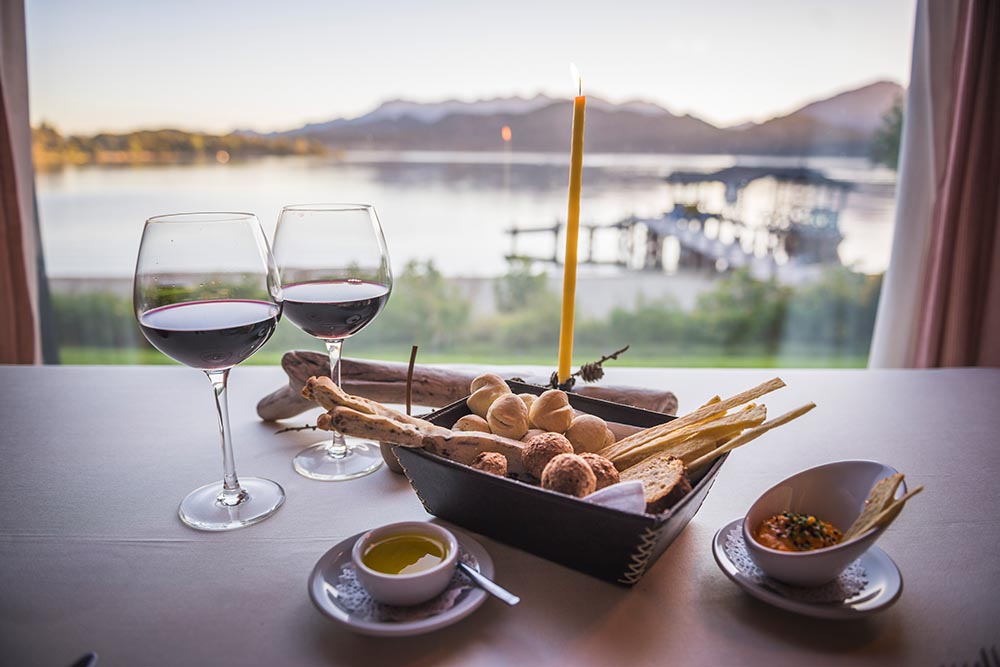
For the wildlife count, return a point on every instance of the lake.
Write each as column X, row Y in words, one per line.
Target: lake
column 452, row 208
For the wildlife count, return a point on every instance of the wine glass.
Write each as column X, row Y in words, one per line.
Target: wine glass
column 335, row 279
column 207, row 294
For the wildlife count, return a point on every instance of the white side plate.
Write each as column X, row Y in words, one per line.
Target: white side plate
column 324, row 595
column 885, row 584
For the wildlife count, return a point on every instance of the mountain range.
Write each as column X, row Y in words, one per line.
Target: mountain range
column 839, row 125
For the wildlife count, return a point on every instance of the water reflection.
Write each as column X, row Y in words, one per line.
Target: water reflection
column 452, row 208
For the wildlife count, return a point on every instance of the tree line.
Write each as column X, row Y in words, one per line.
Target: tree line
column 51, row 149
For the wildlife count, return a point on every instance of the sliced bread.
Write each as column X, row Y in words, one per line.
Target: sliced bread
column 664, row 481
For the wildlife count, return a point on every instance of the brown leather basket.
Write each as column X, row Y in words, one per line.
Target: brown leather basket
column 606, row 543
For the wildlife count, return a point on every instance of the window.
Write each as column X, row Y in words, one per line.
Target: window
column 738, row 195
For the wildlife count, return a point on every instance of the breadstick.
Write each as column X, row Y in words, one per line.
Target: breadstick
column 714, row 431
column 465, row 446
column 374, row 427
column 459, row 446
column 707, row 411
column 322, row 390
column 750, row 435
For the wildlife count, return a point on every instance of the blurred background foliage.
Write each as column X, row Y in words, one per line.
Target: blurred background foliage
column 742, row 322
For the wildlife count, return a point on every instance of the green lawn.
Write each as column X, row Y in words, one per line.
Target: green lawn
column 680, row 358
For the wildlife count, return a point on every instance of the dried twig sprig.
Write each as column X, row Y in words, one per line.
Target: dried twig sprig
column 591, row 372
column 307, row 427
column 409, row 379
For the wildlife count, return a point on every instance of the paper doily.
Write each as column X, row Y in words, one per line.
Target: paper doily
column 850, row 582
column 353, row 597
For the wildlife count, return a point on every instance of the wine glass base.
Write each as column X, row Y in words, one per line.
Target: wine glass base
column 362, row 458
column 202, row 510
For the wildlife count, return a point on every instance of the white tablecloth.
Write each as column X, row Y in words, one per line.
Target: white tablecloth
column 94, row 558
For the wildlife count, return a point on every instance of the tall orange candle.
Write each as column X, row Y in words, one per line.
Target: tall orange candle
column 572, row 234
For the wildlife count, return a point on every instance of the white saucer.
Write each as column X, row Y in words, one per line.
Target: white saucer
column 885, row 584
column 324, row 594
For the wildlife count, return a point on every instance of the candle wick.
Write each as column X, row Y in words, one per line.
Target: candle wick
column 579, row 83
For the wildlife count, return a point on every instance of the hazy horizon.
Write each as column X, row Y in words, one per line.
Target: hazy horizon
column 115, row 65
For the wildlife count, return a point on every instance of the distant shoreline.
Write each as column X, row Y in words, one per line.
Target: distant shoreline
column 653, row 164
column 51, row 150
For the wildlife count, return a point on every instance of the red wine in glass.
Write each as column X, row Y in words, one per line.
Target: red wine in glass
column 207, row 294
column 210, row 335
column 336, row 279
column 333, row 309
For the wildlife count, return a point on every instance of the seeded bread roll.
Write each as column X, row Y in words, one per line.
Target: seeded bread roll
column 604, row 470
column 541, row 449
column 569, row 474
column 491, row 462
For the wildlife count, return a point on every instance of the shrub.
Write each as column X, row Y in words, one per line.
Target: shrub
column 95, row 319
column 424, row 309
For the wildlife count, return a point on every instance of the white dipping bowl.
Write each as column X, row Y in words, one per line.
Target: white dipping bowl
column 406, row 589
column 834, row 492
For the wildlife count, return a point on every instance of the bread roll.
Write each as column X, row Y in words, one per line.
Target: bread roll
column 541, row 449
column 508, row 417
column 491, row 462
column 471, row 423
column 551, row 411
column 532, row 432
column 569, row 474
column 588, row 433
column 486, row 389
column 604, row 470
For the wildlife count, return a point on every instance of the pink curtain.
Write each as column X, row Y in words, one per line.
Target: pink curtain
column 19, row 331
column 959, row 322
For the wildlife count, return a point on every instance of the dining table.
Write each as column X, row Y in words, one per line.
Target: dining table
column 94, row 559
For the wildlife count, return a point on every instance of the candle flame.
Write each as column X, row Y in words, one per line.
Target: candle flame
column 574, row 74
column 505, row 133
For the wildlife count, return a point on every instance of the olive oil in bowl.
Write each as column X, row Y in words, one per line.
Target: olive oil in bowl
column 405, row 563
column 404, row 554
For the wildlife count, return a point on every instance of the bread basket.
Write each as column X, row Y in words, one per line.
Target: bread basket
column 605, row 543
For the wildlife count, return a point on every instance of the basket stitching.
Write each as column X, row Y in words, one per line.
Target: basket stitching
column 640, row 558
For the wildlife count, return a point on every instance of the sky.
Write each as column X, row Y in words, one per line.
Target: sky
column 220, row 65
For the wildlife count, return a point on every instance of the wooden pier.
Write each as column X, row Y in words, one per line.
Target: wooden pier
column 802, row 229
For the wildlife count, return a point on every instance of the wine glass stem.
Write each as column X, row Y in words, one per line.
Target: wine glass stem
column 232, row 493
column 337, row 448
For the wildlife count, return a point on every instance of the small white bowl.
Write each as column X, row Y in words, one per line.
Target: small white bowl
column 834, row 492
column 406, row 589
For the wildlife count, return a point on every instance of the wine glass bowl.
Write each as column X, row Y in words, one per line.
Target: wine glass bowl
column 206, row 294
column 336, row 279
column 334, row 309
column 210, row 335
